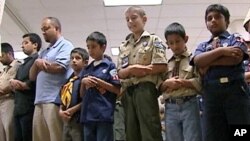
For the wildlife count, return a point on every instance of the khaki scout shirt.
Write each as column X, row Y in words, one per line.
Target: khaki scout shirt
column 148, row 49
column 8, row 73
column 186, row 71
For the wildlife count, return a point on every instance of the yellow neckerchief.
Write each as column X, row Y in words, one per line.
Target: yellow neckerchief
column 66, row 92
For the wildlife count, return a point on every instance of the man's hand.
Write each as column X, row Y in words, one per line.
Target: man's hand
column 18, row 85
column 42, row 64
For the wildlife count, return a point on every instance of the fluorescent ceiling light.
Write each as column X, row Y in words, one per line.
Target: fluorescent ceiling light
column 131, row 2
column 115, row 51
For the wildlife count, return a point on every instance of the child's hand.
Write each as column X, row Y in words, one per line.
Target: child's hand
column 139, row 70
column 89, row 82
column 232, row 52
column 65, row 115
column 173, row 83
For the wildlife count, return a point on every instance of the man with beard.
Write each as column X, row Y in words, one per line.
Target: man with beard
column 6, row 95
column 50, row 71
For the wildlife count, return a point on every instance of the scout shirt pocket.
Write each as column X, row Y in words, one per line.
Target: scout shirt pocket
column 144, row 56
column 124, row 58
column 186, row 71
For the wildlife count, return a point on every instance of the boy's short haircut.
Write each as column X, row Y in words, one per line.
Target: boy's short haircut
column 218, row 8
column 34, row 38
column 138, row 9
column 7, row 48
column 175, row 28
column 82, row 52
column 97, row 37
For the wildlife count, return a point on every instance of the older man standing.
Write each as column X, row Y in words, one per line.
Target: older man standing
column 50, row 71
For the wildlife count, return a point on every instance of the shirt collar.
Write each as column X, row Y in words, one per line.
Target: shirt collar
column 34, row 55
column 103, row 61
column 57, row 42
column 183, row 55
column 224, row 35
column 144, row 34
column 13, row 63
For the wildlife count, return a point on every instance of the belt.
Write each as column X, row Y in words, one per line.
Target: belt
column 224, row 80
column 179, row 100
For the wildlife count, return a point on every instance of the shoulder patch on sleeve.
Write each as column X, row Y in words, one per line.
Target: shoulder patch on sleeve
column 114, row 74
column 159, row 45
column 238, row 37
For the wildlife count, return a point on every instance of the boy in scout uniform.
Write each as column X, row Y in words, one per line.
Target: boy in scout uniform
column 220, row 60
column 140, row 64
column 180, row 89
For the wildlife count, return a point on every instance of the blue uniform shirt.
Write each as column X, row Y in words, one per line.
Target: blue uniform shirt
column 97, row 107
column 216, row 72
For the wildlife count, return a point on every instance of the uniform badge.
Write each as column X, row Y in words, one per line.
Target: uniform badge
column 225, row 44
column 209, row 47
column 114, row 75
column 145, row 44
column 104, row 71
column 124, row 62
column 159, row 45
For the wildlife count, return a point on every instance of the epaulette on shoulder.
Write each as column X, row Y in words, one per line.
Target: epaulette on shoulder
column 237, row 35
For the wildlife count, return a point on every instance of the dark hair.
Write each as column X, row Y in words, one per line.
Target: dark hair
column 175, row 28
column 81, row 51
column 97, row 37
column 218, row 8
column 138, row 9
column 7, row 48
column 34, row 38
column 55, row 21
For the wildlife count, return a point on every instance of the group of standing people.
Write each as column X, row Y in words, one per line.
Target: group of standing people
column 58, row 95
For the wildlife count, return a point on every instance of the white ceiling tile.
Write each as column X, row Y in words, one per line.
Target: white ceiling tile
column 191, row 22
column 79, row 18
column 168, row 2
column 115, row 12
column 235, row 1
column 116, row 24
column 183, row 10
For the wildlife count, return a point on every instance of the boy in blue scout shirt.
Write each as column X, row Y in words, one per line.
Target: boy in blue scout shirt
column 141, row 63
column 220, row 62
column 99, row 87
column 180, row 89
column 70, row 100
